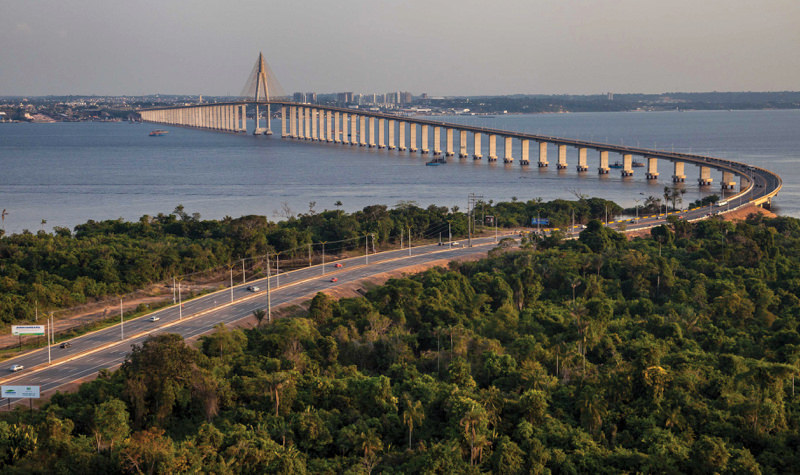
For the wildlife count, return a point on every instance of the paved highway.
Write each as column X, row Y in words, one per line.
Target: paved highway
column 106, row 348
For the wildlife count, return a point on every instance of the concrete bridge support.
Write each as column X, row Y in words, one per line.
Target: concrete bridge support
column 524, row 158
column 562, row 157
column 345, row 129
column 437, row 141
column 337, row 127
column 424, row 136
column 412, row 132
column 353, row 129
column 508, row 149
column 582, row 166
column 728, row 180
column 462, row 144
column 329, row 126
column 603, row 168
column 362, row 131
column 391, row 134
column 543, row 155
column 322, row 135
column 381, row 133
column 677, row 175
column 705, row 176
column 476, row 148
column 652, row 168
column 314, row 124
column 284, row 133
column 401, row 136
column 448, row 151
column 492, row 148
column 371, row 132
column 307, row 126
column 293, row 122
column 627, row 165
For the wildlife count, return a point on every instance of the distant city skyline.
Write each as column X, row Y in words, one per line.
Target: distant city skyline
column 467, row 47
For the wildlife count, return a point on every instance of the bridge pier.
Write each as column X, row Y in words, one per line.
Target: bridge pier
column 476, row 148
column 283, row 122
column 308, row 120
column 492, row 147
column 543, row 155
column 705, row 176
column 728, row 181
column 353, row 129
column 391, row 134
column 603, row 168
column 401, row 136
column 424, row 136
column 371, row 132
column 337, row 131
column 508, row 149
column 525, row 145
column 315, row 124
column 328, row 127
column 627, row 165
column 437, row 141
column 412, row 132
column 652, row 168
column 582, row 166
column 562, row 157
column 462, row 144
column 381, row 133
column 362, row 131
column 449, row 143
column 677, row 175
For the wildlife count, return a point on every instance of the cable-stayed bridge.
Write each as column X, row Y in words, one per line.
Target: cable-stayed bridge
column 356, row 127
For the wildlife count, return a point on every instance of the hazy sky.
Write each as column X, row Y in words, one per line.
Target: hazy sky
column 452, row 47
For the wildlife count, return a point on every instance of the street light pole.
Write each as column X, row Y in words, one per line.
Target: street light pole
column 121, row 322
column 409, row 240
column 277, row 270
column 323, row 257
column 49, row 336
column 366, row 249
column 269, row 294
column 231, row 267
column 244, row 278
column 180, row 303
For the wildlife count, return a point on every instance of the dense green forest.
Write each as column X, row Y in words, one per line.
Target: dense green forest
column 107, row 258
column 672, row 354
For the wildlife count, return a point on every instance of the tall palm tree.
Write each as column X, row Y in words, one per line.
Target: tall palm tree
column 414, row 414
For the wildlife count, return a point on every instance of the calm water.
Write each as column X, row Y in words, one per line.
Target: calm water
column 68, row 173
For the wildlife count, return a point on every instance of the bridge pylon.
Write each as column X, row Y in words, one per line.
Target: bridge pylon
column 261, row 85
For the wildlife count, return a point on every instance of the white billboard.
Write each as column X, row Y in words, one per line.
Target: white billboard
column 27, row 329
column 20, row 391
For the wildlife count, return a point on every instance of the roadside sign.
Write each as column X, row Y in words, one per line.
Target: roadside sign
column 542, row 221
column 27, row 330
column 20, row 391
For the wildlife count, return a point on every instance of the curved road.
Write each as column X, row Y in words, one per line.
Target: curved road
column 106, row 348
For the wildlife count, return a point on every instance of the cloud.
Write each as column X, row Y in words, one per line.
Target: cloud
column 23, row 28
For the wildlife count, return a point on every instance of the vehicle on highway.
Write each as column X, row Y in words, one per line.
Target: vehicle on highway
column 16, row 367
column 338, row 265
column 334, row 279
column 455, row 244
column 253, row 288
column 154, row 318
column 66, row 344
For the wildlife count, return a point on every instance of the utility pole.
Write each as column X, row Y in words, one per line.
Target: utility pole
column 449, row 236
column 323, row 257
column 366, row 249
column 409, row 240
column 471, row 202
column 173, row 290
column 49, row 336
column 121, row 322
column 244, row 279
column 277, row 270
column 180, row 303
